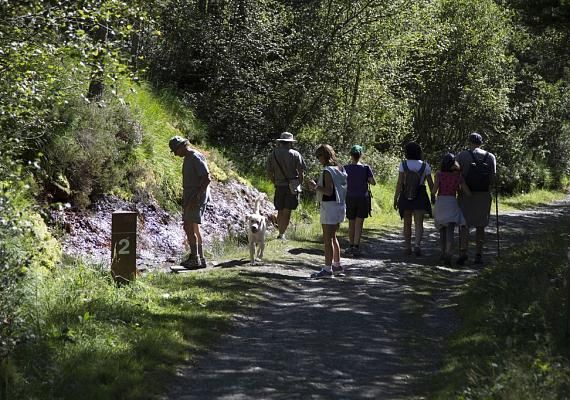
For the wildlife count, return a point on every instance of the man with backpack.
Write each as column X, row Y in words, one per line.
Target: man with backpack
column 478, row 168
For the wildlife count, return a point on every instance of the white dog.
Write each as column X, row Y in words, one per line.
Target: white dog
column 256, row 226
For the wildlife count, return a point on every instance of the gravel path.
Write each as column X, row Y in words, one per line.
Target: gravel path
column 376, row 333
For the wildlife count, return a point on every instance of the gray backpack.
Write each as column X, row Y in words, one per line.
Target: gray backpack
column 412, row 180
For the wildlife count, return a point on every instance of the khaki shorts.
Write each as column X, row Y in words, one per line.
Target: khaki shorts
column 196, row 213
column 285, row 199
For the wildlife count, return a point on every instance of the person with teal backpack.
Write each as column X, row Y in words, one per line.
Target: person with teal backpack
column 411, row 198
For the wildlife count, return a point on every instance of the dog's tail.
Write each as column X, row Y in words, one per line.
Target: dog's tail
column 257, row 204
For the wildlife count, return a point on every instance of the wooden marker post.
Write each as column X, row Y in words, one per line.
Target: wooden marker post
column 124, row 246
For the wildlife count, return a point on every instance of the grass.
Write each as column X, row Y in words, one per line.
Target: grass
column 527, row 200
column 513, row 343
column 93, row 340
column 162, row 115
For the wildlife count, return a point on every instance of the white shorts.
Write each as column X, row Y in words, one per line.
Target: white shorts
column 332, row 213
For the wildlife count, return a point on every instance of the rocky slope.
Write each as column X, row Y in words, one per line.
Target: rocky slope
column 160, row 237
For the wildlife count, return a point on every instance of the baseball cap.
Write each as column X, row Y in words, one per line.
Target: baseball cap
column 175, row 142
column 356, row 149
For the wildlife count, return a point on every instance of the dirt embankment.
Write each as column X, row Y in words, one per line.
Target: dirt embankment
column 160, row 237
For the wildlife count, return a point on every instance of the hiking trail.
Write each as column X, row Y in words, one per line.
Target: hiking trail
column 377, row 333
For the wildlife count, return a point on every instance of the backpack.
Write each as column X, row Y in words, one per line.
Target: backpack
column 412, row 181
column 478, row 177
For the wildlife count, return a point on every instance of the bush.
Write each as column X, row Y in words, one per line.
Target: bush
column 25, row 244
column 93, row 150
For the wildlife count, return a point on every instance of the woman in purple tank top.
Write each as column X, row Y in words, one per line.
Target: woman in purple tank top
column 358, row 199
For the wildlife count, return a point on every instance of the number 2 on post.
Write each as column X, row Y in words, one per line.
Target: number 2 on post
column 124, row 246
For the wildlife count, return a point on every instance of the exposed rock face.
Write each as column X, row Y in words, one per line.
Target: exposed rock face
column 160, row 237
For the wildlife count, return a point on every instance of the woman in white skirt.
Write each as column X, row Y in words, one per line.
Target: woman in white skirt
column 447, row 214
column 331, row 193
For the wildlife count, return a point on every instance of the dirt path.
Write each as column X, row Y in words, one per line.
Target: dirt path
column 375, row 334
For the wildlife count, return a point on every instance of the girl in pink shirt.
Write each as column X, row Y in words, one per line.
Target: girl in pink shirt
column 447, row 214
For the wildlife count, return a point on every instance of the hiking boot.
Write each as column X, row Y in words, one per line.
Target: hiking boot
column 203, row 263
column 478, row 259
column 323, row 273
column 281, row 236
column 349, row 251
column 408, row 251
column 447, row 260
column 356, row 252
column 461, row 260
column 192, row 262
column 417, row 251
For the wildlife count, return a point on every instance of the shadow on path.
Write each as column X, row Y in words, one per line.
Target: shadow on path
column 376, row 333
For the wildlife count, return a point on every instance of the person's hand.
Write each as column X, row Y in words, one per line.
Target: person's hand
column 433, row 198
column 395, row 203
column 312, row 184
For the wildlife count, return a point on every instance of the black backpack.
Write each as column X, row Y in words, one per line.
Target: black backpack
column 478, row 177
column 412, row 181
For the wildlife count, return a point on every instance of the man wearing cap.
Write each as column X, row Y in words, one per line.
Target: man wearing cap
column 357, row 198
column 285, row 165
column 476, row 208
column 195, row 196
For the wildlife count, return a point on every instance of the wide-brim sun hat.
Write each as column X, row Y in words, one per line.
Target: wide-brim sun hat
column 175, row 142
column 286, row 137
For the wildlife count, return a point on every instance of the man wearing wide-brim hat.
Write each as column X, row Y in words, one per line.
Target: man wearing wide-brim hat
column 478, row 168
column 195, row 196
column 285, row 168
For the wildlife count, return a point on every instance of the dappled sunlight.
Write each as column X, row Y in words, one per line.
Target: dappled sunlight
column 376, row 332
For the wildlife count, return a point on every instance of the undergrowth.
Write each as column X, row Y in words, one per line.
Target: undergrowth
column 514, row 341
column 94, row 340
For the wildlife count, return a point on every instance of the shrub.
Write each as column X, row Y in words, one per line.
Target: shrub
column 25, row 244
column 93, row 150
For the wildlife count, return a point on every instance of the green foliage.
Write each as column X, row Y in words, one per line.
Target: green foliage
column 377, row 73
column 94, row 340
column 51, row 51
column 162, row 115
column 25, row 245
column 93, row 149
column 531, row 199
column 512, row 343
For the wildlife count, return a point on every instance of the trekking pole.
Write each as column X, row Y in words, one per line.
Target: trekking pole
column 497, row 216
column 568, row 294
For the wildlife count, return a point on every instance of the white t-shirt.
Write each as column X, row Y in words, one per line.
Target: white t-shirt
column 415, row 165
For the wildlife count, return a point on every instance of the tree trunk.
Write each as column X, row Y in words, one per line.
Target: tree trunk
column 96, row 86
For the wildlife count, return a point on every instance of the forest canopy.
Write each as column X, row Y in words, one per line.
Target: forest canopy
column 379, row 73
